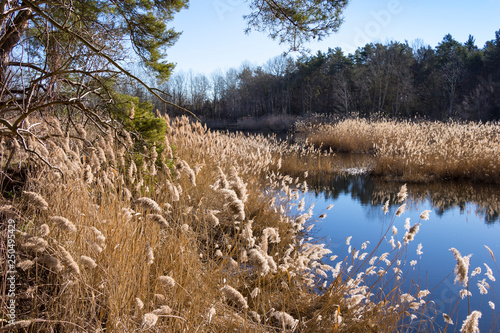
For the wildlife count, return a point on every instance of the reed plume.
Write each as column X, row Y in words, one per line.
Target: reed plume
column 235, row 297
column 158, row 219
column 462, row 267
column 471, row 323
column 36, row 200
column 63, row 223
column 68, row 260
column 148, row 204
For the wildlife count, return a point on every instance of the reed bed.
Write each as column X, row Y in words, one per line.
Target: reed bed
column 416, row 151
column 208, row 236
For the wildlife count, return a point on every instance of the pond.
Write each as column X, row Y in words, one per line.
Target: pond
column 462, row 215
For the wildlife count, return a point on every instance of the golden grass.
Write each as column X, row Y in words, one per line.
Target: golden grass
column 210, row 245
column 417, row 151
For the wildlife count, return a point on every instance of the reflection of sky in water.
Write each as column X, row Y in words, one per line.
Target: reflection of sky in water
column 459, row 227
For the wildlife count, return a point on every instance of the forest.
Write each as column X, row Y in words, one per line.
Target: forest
column 395, row 80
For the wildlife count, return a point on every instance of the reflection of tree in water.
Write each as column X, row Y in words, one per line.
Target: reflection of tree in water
column 443, row 196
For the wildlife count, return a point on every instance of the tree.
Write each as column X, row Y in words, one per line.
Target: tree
column 451, row 55
column 63, row 59
column 66, row 55
column 296, row 22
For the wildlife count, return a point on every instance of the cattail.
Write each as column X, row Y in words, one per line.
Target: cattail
column 158, row 219
column 148, row 321
column 403, row 193
column 51, row 262
column 68, row 260
column 167, row 281
column 235, row 297
column 285, row 320
column 36, row 200
column 87, row 261
column 247, row 234
column 44, row 230
column 492, row 305
column 348, row 240
column 462, row 267
column 148, row 204
column 425, row 215
column 329, row 207
column 447, row 319
column 471, row 323
column 63, row 223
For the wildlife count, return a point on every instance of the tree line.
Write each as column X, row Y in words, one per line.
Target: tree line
column 396, row 80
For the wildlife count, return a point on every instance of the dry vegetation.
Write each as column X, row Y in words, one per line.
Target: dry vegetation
column 417, row 151
column 198, row 239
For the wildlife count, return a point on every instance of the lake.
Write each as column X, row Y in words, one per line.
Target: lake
column 463, row 215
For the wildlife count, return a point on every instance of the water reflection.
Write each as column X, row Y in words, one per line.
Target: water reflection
column 464, row 217
column 444, row 196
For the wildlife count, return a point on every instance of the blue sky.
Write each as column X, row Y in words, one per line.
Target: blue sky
column 213, row 30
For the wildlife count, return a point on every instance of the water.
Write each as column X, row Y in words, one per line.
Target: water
column 463, row 215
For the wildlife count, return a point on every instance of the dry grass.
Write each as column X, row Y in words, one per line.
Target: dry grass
column 420, row 151
column 209, row 245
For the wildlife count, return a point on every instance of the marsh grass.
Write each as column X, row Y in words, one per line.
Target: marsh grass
column 200, row 239
column 416, row 151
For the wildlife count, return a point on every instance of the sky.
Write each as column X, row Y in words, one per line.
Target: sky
column 213, row 30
